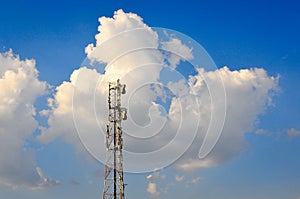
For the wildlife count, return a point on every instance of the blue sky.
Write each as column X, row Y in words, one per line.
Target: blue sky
column 237, row 34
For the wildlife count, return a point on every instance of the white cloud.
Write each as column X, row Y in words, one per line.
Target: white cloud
column 155, row 175
column 61, row 113
column 179, row 178
column 248, row 93
column 153, row 179
column 193, row 181
column 293, row 132
column 110, row 44
column 149, row 177
column 45, row 180
column 19, row 88
column 152, row 189
column 261, row 131
column 179, row 51
column 106, row 50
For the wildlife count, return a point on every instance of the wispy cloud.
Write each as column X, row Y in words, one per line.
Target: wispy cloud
column 293, row 132
column 193, row 181
column 179, row 178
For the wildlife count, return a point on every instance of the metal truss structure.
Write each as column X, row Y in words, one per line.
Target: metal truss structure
column 113, row 173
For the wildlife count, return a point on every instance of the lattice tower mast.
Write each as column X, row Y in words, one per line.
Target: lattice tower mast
column 113, row 172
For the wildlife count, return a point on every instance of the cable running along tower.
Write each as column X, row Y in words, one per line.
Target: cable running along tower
column 113, row 171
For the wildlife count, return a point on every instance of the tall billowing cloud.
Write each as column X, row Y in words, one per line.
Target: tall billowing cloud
column 19, row 88
column 248, row 93
column 161, row 102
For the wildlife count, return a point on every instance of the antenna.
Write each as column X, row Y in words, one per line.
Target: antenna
column 113, row 172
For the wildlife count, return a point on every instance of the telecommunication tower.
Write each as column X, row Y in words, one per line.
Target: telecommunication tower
column 113, row 171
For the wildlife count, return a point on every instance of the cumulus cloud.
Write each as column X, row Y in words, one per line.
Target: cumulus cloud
column 179, row 51
column 248, row 92
column 19, row 88
column 60, row 116
column 92, row 83
column 160, row 104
